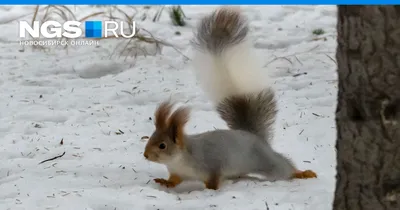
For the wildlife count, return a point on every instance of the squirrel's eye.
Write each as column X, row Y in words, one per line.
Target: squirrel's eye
column 162, row 146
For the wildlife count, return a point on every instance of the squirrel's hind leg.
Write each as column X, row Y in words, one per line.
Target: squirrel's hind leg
column 213, row 181
column 172, row 181
column 274, row 166
column 307, row 174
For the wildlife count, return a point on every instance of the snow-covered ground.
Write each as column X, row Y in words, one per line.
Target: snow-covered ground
column 101, row 106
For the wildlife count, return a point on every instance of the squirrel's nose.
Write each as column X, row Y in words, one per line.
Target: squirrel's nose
column 145, row 155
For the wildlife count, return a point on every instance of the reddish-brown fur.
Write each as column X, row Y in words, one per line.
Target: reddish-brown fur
column 161, row 115
column 174, row 122
column 177, row 122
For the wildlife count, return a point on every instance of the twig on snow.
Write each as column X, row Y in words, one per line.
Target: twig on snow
column 299, row 74
column 266, row 205
column 56, row 157
column 294, row 54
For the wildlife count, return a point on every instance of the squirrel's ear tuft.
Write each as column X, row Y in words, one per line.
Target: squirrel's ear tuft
column 161, row 115
column 176, row 124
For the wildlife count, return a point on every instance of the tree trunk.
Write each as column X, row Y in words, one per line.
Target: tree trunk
column 368, row 109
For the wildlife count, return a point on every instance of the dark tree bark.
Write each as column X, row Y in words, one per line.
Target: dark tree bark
column 368, row 109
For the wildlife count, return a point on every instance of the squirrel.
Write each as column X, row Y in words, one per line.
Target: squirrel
column 229, row 74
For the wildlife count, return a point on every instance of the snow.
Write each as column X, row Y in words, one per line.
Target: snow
column 86, row 97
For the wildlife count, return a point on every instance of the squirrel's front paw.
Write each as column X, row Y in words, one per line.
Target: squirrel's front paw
column 165, row 183
column 307, row 174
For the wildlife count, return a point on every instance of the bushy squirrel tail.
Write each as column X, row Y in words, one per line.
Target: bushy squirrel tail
column 230, row 73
